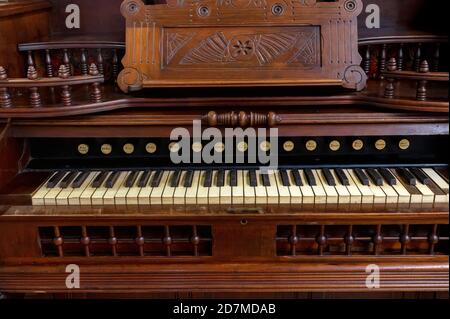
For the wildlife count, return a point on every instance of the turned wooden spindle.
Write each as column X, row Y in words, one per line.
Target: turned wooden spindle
column 367, row 60
column 433, row 240
column 140, row 240
column 100, row 61
column 35, row 96
column 242, row 119
column 85, row 240
column 294, row 240
column 349, row 240
column 48, row 63
column 195, row 240
column 383, row 57
column 5, row 98
column 84, row 63
column 400, row 57
column 58, row 241
column 321, row 240
column 389, row 91
column 377, row 241
column 66, row 97
column 405, row 239
column 66, row 60
column 417, row 57
column 167, row 241
column 421, row 94
column 113, row 241
column 436, row 58
column 115, row 65
column 30, row 59
column 96, row 93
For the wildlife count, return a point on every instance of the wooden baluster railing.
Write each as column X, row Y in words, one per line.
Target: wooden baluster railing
column 367, row 60
column 48, row 64
column 5, row 97
column 84, row 62
column 66, row 97
column 35, row 96
column 389, row 91
column 100, row 66
column 96, row 93
column 417, row 57
column 382, row 64
column 400, row 57
column 422, row 84
column 66, row 60
column 30, row 59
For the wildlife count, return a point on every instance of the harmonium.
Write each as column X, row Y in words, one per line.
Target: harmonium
column 197, row 148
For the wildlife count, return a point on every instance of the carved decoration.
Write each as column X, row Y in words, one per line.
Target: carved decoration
column 205, row 43
column 242, row 119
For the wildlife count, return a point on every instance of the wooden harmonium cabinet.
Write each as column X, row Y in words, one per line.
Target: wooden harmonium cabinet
column 242, row 43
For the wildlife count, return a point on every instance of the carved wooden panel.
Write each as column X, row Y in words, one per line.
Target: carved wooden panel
column 210, row 43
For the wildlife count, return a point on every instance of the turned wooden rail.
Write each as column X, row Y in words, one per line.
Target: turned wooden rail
column 64, row 80
column 242, row 119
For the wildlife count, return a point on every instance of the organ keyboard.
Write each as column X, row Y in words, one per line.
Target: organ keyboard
column 379, row 185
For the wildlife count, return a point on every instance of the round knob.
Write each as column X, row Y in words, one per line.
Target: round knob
column 174, row 147
column 405, row 239
column 377, row 239
column 151, row 148
column 85, row 240
column 219, row 147
column 112, row 241
column 358, row 145
column 293, row 240
column 128, row 148
column 404, row 144
column 83, row 149
column 349, row 239
column 242, row 147
column 288, row 146
column 311, row 145
column 321, row 240
column 106, row 149
column 265, row 146
column 167, row 240
column 197, row 147
column 140, row 241
column 433, row 239
column 195, row 240
column 380, row 144
column 335, row 145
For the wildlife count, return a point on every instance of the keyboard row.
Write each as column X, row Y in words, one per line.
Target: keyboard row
column 305, row 186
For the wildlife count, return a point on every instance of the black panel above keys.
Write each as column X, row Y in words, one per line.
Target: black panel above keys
column 143, row 180
column 285, row 178
column 208, row 179
column 388, row 177
column 156, row 180
column 55, row 179
column 188, row 179
column 233, row 178
column 99, row 179
column 310, row 177
column 175, row 179
column 80, row 179
column 297, row 178
column 112, row 180
column 375, row 176
column 407, row 177
column 253, row 179
column 343, row 178
column 363, row 178
column 421, row 176
column 220, row 178
column 131, row 179
column 329, row 177
column 68, row 179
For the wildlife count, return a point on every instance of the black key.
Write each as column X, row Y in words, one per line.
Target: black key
column 265, row 180
column 145, row 177
column 80, row 179
column 310, row 177
column 406, row 175
column 55, row 179
column 329, row 177
column 156, row 180
column 421, row 176
column 363, row 178
column 112, row 179
column 220, row 178
column 208, row 179
column 343, row 178
column 253, row 179
column 175, row 179
column 99, row 179
column 131, row 179
column 285, row 178
column 388, row 177
column 375, row 176
column 188, row 179
column 233, row 178
column 297, row 177
column 68, row 179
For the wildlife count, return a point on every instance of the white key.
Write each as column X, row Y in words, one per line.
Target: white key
column 355, row 194
column 330, row 191
column 283, row 191
column 294, row 190
column 272, row 190
column 427, row 194
column 307, row 191
column 38, row 197
column 50, row 197
column 86, row 196
column 249, row 191
column 404, row 197
column 122, row 192
column 366, row 193
column 343, row 193
column 145, row 193
column 202, row 191
column 238, row 191
column 169, row 191
column 191, row 192
column 260, row 190
column 75, row 196
column 437, row 179
column 225, row 191
column 180, row 191
column 379, row 197
column 319, row 192
column 414, row 198
column 99, row 193
column 391, row 194
column 157, row 192
column 63, row 197
column 214, row 190
column 133, row 193
column 110, row 195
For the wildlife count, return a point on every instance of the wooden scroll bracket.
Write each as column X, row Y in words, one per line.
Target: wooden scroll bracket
column 242, row 119
column 205, row 43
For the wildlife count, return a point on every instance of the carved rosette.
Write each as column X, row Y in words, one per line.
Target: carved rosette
column 355, row 78
column 132, row 8
column 130, row 80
